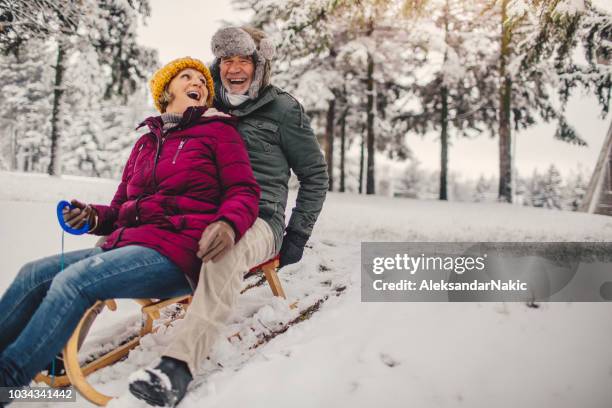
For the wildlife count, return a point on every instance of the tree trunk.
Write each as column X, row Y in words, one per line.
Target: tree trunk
column 443, row 195
column 57, row 96
column 505, row 101
column 14, row 150
column 342, row 150
column 361, row 162
column 444, row 145
column 329, row 142
column 370, row 187
column 26, row 162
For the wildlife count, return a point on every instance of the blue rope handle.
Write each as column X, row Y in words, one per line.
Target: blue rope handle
column 60, row 217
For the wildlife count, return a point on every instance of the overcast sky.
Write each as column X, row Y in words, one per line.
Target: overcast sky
column 184, row 27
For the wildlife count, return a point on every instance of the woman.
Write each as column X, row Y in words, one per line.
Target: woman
column 189, row 171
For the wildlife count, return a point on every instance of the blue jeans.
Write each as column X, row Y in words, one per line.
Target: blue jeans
column 43, row 305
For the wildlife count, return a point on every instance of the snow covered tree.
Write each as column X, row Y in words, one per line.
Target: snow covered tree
column 453, row 86
column 116, row 44
column 538, row 39
column 552, row 188
column 545, row 191
column 120, row 121
column 373, row 71
column 24, row 22
column 484, row 190
column 27, row 98
column 80, row 118
column 342, row 48
column 571, row 23
column 410, row 183
column 107, row 26
column 575, row 189
column 535, row 191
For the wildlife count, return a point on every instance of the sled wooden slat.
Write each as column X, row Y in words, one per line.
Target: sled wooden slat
column 111, row 357
column 76, row 375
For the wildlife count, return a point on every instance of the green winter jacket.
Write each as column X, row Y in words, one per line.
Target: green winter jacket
column 279, row 138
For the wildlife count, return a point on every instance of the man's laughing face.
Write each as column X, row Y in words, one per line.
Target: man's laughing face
column 237, row 73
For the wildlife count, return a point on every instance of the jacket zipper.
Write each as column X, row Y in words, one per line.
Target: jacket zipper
column 180, row 147
column 160, row 143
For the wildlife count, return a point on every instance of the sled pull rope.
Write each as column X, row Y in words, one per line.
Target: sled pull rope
column 65, row 228
column 61, row 270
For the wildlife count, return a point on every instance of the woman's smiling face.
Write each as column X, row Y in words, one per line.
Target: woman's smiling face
column 187, row 88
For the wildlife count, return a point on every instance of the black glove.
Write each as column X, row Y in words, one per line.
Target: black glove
column 293, row 248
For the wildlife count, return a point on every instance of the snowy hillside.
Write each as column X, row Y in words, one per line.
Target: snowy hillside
column 358, row 354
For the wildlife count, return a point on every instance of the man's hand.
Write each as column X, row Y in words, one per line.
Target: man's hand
column 77, row 217
column 292, row 248
column 217, row 239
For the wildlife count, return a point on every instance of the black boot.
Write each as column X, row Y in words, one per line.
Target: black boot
column 150, row 385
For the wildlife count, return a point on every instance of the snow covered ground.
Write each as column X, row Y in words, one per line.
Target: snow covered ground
column 358, row 354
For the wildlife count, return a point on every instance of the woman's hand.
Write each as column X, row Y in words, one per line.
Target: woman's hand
column 217, row 239
column 77, row 217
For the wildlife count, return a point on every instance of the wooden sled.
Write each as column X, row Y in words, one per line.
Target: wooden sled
column 76, row 374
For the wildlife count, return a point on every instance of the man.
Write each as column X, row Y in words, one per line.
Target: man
column 279, row 139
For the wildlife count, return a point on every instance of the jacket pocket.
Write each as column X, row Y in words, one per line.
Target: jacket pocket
column 260, row 135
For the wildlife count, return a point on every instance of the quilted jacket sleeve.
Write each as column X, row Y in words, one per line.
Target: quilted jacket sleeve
column 240, row 191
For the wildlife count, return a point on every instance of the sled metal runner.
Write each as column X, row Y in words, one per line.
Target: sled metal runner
column 76, row 373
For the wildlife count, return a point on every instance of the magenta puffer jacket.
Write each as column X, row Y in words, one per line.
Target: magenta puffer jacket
column 175, row 184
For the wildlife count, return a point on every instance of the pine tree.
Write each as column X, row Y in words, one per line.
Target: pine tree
column 25, row 89
column 538, row 39
column 553, row 197
column 545, row 191
column 108, row 26
column 378, row 70
column 83, row 127
column 456, row 97
column 484, row 190
column 346, row 46
column 410, row 184
column 120, row 121
column 575, row 189
column 535, row 191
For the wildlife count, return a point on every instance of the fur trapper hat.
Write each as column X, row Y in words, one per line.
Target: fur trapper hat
column 164, row 75
column 246, row 41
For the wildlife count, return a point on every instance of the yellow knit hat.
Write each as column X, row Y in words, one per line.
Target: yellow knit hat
column 164, row 75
